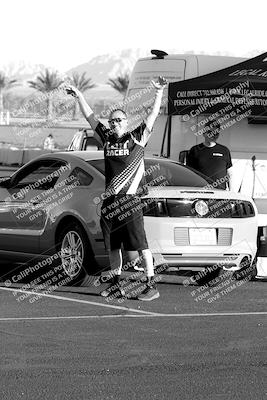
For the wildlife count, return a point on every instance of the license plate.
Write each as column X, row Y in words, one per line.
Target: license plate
column 202, row 237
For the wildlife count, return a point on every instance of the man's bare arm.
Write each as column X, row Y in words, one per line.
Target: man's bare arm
column 159, row 86
column 86, row 110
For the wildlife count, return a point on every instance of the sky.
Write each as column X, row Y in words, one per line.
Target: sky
column 63, row 34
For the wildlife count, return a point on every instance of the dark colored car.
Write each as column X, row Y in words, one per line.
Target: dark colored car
column 50, row 209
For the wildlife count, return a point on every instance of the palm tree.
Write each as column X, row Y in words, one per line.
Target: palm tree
column 46, row 82
column 82, row 83
column 5, row 83
column 120, row 83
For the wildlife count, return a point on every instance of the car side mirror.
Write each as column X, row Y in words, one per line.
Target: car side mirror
column 183, row 156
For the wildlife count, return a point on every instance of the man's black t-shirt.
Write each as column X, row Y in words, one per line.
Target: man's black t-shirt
column 124, row 159
column 212, row 162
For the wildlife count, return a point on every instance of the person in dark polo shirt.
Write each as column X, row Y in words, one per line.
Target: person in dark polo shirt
column 211, row 158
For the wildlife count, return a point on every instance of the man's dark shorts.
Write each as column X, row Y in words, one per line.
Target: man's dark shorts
column 122, row 223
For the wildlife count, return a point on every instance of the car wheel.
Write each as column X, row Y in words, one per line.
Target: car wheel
column 247, row 271
column 75, row 253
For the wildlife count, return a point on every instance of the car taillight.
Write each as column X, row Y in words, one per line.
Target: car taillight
column 154, row 207
column 218, row 208
column 161, row 208
column 242, row 209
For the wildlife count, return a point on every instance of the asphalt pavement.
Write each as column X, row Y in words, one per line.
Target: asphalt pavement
column 194, row 342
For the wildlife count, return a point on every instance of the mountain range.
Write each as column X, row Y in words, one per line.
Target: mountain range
column 99, row 69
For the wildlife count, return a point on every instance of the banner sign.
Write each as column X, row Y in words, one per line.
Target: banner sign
column 240, row 89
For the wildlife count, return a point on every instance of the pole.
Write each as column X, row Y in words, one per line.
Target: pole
column 253, row 159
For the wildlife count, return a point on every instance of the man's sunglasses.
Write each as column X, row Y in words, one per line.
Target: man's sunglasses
column 111, row 121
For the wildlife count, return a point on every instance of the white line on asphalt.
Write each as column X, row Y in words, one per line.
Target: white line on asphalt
column 93, row 303
column 151, row 315
column 225, row 314
column 128, row 316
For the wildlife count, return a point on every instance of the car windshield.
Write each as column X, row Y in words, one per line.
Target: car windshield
column 169, row 172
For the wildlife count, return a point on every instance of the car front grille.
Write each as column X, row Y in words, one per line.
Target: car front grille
column 217, row 208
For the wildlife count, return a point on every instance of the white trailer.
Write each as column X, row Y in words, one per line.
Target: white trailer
column 173, row 135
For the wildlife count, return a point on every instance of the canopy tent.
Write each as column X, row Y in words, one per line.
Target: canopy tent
column 239, row 89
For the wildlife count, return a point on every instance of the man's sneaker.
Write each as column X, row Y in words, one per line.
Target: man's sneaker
column 150, row 293
column 114, row 289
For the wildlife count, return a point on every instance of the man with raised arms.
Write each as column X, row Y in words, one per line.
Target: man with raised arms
column 124, row 176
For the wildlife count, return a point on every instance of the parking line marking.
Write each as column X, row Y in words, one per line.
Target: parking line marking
column 151, row 315
column 225, row 314
column 94, row 303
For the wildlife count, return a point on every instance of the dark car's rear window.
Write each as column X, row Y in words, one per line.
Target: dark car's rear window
column 172, row 173
column 98, row 164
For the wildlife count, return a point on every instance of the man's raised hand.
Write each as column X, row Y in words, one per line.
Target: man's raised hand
column 160, row 84
column 73, row 91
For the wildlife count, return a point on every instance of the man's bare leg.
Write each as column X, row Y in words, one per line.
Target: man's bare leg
column 115, row 259
column 150, row 292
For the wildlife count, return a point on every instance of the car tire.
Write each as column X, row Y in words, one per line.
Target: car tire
column 248, row 271
column 76, row 256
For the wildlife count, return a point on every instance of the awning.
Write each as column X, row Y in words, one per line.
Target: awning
column 239, row 89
